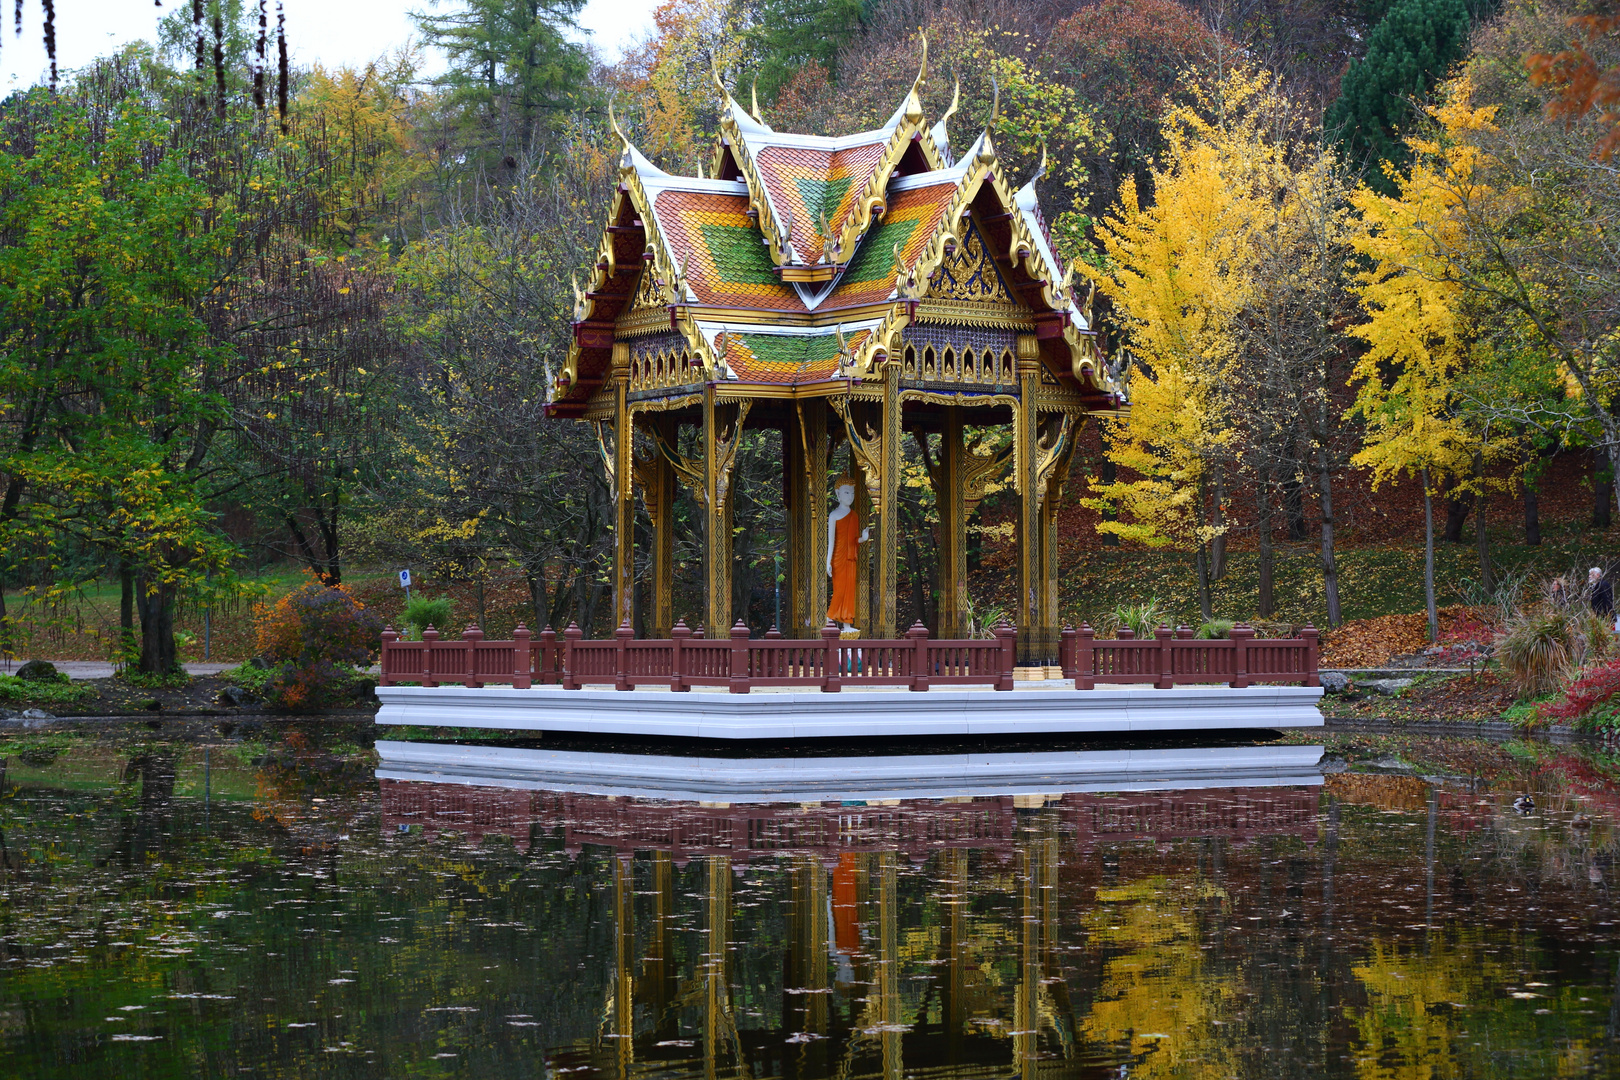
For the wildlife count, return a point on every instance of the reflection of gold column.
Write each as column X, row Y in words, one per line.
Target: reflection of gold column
column 662, row 482
column 1026, row 1006
column 717, row 523
column 717, row 1003
column 1025, row 428
column 888, row 978
column 624, row 507
column 953, row 943
column 624, row 959
column 807, row 948
column 657, row 971
column 886, row 592
column 951, row 502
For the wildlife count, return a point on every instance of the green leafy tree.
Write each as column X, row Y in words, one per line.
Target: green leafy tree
column 1407, row 53
column 792, row 33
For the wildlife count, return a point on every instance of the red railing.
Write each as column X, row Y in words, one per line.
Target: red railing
column 740, row 663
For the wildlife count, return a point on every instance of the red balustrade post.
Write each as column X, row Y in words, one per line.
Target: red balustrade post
column 919, row 655
column 521, row 661
column 1007, row 634
column 739, row 658
column 385, row 677
column 1066, row 652
column 429, row 636
column 621, row 656
column 1167, row 663
column 1085, row 660
column 831, row 677
column 1313, row 677
column 1239, row 636
column 677, row 671
column 549, row 664
column 570, row 636
column 1184, row 633
column 697, row 635
column 470, row 638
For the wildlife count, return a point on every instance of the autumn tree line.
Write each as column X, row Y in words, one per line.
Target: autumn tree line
column 251, row 311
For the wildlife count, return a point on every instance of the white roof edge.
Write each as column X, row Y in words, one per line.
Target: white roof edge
column 708, row 328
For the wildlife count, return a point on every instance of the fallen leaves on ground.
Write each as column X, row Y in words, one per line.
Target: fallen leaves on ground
column 1371, row 643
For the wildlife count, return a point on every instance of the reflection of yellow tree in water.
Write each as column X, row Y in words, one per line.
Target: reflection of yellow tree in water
column 1157, row 997
column 1423, row 1015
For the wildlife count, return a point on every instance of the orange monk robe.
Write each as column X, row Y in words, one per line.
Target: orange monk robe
column 846, row 545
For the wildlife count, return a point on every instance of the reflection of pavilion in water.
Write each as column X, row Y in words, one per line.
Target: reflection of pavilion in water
column 847, row 1008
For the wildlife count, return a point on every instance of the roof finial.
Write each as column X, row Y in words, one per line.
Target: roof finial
column 913, row 109
column 995, row 101
column 956, row 99
column 613, row 120
column 753, row 95
column 719, row 83
column 922, row 70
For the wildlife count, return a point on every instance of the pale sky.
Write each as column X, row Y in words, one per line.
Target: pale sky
column 332, row 32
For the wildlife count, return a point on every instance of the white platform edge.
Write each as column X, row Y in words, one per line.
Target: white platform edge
column 852, row 713
column 765, row 780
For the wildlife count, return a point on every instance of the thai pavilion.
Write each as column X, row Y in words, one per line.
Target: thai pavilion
column 836, row 289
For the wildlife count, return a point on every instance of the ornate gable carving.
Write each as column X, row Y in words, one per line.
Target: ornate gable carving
column 968, row 273
column 648, row 294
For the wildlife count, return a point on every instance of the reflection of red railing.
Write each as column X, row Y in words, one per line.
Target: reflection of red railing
column 915, row 826
column 740, row 663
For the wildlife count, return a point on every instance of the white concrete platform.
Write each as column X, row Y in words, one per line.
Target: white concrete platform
column 815, row 779
column 1033, row 708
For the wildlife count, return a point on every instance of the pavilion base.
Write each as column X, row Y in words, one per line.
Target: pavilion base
column 1033, row 708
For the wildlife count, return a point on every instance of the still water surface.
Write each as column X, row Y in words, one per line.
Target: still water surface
column 281, row 911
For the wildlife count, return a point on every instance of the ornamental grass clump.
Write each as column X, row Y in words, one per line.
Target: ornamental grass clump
column 1537, row 649
column 1141, row 619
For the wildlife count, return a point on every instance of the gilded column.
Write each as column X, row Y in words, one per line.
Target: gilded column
column 667, row 430
column 1049, row 540
column 805, row 450
column 717, row 522
column 1030, row 532
column 624, row 507
column 863, row 554
column 951, row 501
column 888, row 517
column 888, row 975
column 717, row 994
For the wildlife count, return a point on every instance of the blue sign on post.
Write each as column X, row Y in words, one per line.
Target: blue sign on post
column 404, row 579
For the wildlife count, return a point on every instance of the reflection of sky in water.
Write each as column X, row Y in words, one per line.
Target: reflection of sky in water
column 309, row 919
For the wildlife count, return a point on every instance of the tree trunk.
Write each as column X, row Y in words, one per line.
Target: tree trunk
column 1603, row 491
column 1217, row 545
column 1262, row 502
column 1532, row 517
column 1205, row 608
column 1294, row 507
column 1482, row 534
column 1428, row 560
column 155, row 603
column 1457, row 509
column 1330, row 566
column 126, row 599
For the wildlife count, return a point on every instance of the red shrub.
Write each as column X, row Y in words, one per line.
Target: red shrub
column 1592, row 689
column 318, row 623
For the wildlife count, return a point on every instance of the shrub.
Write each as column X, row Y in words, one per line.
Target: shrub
column 307, row 687
column 1588, row 697
column 318, row 623
column 1141, row 618
column 1537, row 650
column 422, row 613
column 1216, row 628
column 63, row 692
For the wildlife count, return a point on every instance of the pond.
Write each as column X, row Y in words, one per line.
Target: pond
column 274, row 907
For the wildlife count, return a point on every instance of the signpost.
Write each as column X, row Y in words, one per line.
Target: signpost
column 405, row 583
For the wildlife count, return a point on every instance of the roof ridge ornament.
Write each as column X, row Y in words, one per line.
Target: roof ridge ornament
column 614, row 122
column 941, row 133
column 719, row 83
column 753, row 96
column 913, row 106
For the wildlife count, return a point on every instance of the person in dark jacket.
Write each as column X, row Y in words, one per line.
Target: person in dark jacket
column 1602, row 592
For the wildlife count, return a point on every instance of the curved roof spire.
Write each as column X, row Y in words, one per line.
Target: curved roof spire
column 940, row 132
column 913, row 109
column 614, row 121
column 753, row 98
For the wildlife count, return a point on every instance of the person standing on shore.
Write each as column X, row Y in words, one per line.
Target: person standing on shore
column 1602, row 592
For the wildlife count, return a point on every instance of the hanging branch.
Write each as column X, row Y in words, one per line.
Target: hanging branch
column 201, row 58
column 219, row 65
column 50, row 38
column 281, row 73
column 258, row 64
